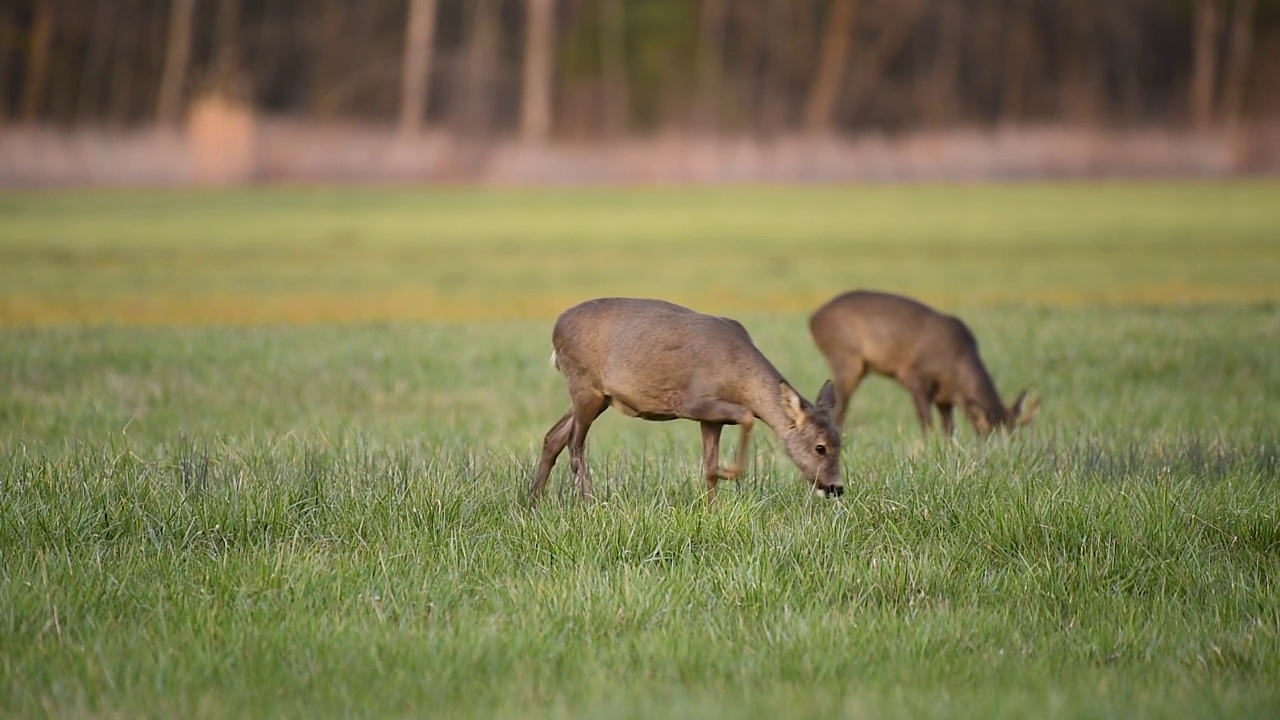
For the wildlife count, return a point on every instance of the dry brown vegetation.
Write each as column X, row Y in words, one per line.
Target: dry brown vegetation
column 224, row 145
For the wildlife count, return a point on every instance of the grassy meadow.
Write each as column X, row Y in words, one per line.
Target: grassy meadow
column 264, row 455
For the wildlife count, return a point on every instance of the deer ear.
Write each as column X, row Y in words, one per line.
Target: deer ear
column 793, row 404
column 827, row 397
column 1025, row 413
column 1015, row 410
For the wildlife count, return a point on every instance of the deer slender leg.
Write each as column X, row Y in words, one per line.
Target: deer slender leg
column 923, row 409
column 920, row 395
column 847, row 371
column 585, row 412
column 552, row 445
column 712, row 410
column 948, row 422
column 711, row 457
column 740, row 462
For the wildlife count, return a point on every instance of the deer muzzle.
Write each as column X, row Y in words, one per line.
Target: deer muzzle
column 833, row 490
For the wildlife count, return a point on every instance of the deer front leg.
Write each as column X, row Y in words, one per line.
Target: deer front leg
column 948, row 422
column 920, row 396
column 711, row 457
column 585, row 411
column 740, row 462
column 848, row 372
column 720, row 412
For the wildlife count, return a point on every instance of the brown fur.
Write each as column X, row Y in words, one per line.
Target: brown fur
column 934, row 356
column 658, row 361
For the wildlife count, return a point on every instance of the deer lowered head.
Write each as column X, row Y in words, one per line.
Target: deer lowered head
column 810, row 437
column 989, row 417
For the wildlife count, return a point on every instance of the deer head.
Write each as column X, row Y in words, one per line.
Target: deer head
column 812, row 440
column 1017, row 415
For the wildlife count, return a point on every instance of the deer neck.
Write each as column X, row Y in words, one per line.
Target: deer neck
column 767, row 402
column 982, row 392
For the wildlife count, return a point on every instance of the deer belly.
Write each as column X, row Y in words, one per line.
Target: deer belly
column 629, row 411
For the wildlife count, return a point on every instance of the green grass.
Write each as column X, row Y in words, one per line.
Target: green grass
column 327, row 520
column 318, row 254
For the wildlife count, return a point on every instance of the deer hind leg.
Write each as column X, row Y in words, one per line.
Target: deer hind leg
column 552, row 445
column 585, row 411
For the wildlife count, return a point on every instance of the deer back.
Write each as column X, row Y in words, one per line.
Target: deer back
column 654, row 352
column 890, row 332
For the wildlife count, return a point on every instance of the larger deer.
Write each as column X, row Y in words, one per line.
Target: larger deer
column 934, row 356
column 658, row 361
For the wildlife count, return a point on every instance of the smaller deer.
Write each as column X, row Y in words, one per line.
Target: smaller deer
column 934, row 356
column 658, row 361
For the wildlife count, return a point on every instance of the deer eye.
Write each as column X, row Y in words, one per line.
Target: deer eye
column 820, row 449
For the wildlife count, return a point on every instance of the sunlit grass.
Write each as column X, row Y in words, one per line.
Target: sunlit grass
column 330, row 520
column 319, row 255
column 239, row 477
column 339, row 576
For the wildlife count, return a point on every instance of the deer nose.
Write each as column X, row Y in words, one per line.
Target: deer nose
column 835, row 490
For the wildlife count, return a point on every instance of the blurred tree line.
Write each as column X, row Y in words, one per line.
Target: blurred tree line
column 593, row 68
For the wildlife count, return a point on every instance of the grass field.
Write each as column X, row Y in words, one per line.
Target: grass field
column 376, row 254
column 264, row 456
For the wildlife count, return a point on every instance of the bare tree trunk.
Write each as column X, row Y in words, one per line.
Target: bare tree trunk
column 264, row 66
column 1204, row 68
column 178, row 51
column 577, row 106
column 870, row 65
column 773, row 101
column 710, row 71
column 539, row 71
column 8, row 37
column 327, row 58
column 89, row 96
column 944, row 76
column 1239, row 53
column 1079, row 86
column 819, row 111
column 742, row 58
column 415, row 73
column 1017, row 70
column 1126, row 26
column 482, row 68
column 613, row 66
column 33, row 90
column 120, row 104
column 802, row 56
column 226, row 45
